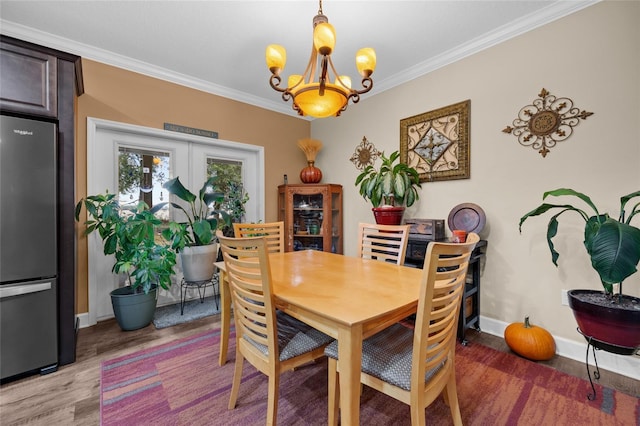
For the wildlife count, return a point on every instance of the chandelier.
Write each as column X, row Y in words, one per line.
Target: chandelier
column 322, row 97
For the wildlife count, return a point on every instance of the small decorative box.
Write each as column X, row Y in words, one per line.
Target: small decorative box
column 427, row 229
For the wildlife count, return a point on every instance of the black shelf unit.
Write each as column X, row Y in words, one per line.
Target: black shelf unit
column 470, row 306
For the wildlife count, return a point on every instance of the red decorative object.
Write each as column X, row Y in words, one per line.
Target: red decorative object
column 388, row 215
column 311, row 174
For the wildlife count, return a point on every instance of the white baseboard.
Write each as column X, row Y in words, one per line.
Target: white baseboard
column 626, row 365
column 83, row 320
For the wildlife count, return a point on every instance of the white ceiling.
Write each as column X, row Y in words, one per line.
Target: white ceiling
column 218, row 46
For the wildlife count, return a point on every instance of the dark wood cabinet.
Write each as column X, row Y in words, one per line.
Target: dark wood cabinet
column 312, row 215
column 29, row 81
column 39, row 83
column 470, row 306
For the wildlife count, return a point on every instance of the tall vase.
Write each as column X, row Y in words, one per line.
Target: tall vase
column 310, row 174
column 310, row 147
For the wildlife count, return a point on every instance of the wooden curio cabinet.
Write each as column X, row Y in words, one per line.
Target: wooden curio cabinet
column 312, row 215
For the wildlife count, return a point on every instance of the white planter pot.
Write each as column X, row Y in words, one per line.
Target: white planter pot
column 197, row 262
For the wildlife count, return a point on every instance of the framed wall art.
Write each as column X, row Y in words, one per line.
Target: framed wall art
column 436, row 143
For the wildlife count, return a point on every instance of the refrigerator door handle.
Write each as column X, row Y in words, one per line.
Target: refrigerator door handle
column 23, row 289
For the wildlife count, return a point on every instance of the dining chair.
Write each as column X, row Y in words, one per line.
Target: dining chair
column 272, row 231
column 387, row 243
column 417, row 365
column 272, row 341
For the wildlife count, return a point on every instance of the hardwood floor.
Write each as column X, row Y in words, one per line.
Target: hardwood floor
column 71, row 396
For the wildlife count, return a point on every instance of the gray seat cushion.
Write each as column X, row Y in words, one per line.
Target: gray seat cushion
column 387, row 356
column 294, row 337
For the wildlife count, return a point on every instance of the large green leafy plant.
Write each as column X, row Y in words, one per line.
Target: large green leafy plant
column 133, row 238
column 391, row 184
column 613, row 245
column 203, row 216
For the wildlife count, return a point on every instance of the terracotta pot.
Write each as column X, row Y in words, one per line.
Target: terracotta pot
column 610, row 327
column 388, row 215
column 311, row 174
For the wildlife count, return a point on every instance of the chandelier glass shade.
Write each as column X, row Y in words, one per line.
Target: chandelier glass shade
column 320, row 91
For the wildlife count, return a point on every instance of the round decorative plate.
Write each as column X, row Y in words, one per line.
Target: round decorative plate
column 467, row 216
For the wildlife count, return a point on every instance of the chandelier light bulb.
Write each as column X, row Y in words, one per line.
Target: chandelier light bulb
column 366, row 61
column 324, row 38
column 344, row 81
column 276, row 58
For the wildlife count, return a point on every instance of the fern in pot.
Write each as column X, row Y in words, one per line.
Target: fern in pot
column 609, row 320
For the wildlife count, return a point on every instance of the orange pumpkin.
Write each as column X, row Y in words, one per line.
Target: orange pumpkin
column 530, row 341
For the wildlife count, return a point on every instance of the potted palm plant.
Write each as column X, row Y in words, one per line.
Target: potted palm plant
column 389, row 188
column 198, row 244
column 609, row 319
column 140, row 252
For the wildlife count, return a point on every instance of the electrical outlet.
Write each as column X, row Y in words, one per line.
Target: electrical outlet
column 565, row 298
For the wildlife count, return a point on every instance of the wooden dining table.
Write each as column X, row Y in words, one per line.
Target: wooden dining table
column 348, row 298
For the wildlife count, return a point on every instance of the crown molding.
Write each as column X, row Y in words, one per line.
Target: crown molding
column 131, row 64
column 549, row 14
column 501, row 34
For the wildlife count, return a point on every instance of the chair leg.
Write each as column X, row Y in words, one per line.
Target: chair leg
column 451, row 393
column 272, row 399
column 237, row 376
column 334, row 392
column 418, row 415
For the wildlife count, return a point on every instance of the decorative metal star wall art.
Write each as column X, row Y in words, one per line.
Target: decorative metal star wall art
column 546, row 121
column 364, row 154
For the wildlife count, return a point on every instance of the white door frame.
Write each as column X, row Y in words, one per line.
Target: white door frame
column 102, row 175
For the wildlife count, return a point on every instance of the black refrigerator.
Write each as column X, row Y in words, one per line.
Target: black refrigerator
column 28, row 254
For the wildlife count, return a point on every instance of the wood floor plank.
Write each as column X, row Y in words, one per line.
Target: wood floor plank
column 71, row 396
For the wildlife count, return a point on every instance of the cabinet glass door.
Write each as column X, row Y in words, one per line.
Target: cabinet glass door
column 307, row 221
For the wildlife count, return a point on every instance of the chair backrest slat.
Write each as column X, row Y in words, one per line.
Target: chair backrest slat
column 387, row 243
column 273, row 232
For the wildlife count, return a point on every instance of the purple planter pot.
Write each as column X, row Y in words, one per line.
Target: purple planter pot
column 610, row 327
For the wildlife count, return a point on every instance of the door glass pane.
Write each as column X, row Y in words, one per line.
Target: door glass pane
column 141, row 174
column 229, row 182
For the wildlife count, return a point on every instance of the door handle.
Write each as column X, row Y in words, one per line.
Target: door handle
column 23, row 289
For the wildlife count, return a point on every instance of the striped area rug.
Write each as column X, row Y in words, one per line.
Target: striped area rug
column 180, row 383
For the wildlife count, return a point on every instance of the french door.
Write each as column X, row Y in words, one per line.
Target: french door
column 134, row 162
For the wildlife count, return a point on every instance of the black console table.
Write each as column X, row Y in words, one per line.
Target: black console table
column 470, row 307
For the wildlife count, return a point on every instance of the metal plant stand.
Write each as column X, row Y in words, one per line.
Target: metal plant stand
column 596, row 373
column 596, row 344
column 202, row 287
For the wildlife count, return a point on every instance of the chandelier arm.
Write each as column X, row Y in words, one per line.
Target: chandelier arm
column 367, row 83
column 333, row 69
column 311, row 66
column 275, row 81
column 322, row 79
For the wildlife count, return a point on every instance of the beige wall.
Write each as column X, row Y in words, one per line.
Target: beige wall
column 118, row 95
column 592, row 57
